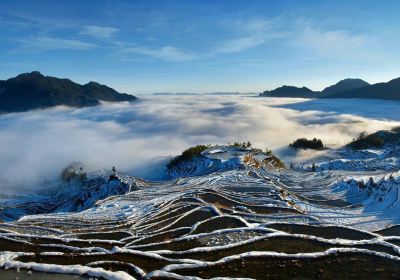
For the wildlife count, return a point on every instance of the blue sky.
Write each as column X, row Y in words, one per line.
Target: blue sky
column 201, row 46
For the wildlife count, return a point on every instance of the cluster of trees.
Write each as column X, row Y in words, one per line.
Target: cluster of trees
column 194, row 151
column 396, row 129
column 365, row 141
column 72, row 172
column 375, row 140
column 187, row 155
column 242, row 145
column 303, row 143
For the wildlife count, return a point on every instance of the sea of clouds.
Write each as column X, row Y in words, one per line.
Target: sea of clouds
column 139, row 138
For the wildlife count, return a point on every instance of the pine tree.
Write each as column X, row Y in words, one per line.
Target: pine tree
column 313, row 168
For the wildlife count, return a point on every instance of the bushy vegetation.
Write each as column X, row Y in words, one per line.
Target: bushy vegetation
column 195, row 151
column 365, row 141
column 303, row 143
column 313, row 167
column 72, row 172
column 187, row 155
column 396, row 129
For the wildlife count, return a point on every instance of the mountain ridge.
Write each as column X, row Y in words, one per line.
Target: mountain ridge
column 344, row 85
column 290, row 91
column 389, row 91
column 347, row 88
column 33, row 90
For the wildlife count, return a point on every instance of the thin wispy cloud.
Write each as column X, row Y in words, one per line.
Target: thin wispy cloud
column 17, row 18
column 166, row 53
column 327, row 42
column 238, row 45
column 101, row 32
column 252, row 33
column 299, row 32
column 45, row 43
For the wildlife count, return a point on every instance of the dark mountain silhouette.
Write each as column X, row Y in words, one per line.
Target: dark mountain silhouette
column 291, row 91
column 33, row 91
column 348, row 88
column 389, row 90
column 344, row 85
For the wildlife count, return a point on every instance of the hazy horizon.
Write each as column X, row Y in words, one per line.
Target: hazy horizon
column 210, row 92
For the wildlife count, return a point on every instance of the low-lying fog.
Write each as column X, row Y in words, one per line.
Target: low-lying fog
column 37, row 145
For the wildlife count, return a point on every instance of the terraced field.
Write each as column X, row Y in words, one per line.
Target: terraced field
column 230, row 213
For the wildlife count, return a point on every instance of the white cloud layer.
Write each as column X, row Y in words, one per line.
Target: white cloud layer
column 36, row 145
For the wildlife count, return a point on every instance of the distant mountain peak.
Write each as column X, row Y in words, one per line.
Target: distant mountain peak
column 93, row 83
column 344, row 85
column 290, row 91
column 389, row 91
column 33, row 74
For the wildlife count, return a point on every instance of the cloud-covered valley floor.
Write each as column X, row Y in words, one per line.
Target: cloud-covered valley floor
column 138, row 138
